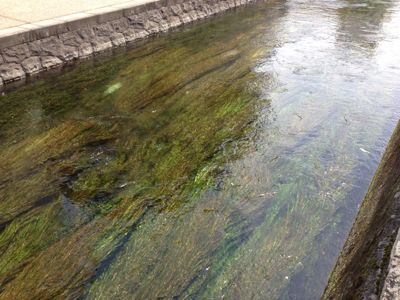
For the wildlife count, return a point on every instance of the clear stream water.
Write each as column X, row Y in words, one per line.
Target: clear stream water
column 226, row 159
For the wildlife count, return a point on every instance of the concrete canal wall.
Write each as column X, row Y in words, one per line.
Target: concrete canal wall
column 37, row 47
column 369, row 264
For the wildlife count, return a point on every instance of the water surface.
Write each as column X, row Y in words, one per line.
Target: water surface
column 224, row 160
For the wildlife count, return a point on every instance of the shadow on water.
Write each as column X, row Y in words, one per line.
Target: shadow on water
column 224, row 160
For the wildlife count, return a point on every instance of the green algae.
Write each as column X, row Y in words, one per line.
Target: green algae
column 180, row 168
column 25, row 237
column 142, row 148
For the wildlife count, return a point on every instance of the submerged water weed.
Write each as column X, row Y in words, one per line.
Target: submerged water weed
column 211, row 162
column 107, row 156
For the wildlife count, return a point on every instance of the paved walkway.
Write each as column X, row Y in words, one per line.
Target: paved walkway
column 27, row 14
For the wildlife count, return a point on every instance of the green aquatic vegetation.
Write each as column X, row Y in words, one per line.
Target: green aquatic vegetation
column 113, row 152
column 179, row 168
column 26, row 236
column 310, row 198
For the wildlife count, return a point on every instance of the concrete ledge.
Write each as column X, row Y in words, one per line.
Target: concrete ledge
column 39, row 46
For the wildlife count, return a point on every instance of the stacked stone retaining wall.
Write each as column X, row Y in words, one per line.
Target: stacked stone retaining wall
column 34, row 51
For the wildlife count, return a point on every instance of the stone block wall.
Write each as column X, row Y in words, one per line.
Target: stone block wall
column 50, row 47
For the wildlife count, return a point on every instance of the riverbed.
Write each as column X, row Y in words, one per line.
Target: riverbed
column 224, row 160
